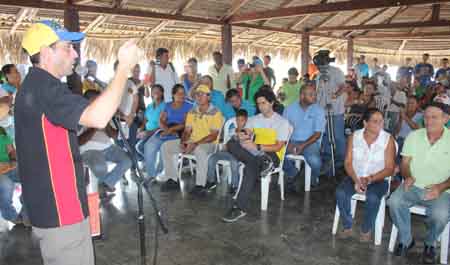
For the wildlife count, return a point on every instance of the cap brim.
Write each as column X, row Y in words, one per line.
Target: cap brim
column 71, row 36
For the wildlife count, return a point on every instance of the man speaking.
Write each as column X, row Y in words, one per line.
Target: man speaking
column 47, row 115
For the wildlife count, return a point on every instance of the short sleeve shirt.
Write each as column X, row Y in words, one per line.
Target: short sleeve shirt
column 269, row 130
column 46, row 119
column 202, row 124
column 152, row 116
column 250, row 86
column 220, row 77
column 430, row 164
column 326, row 89
column 127, row 98
column 291, row 92
column 177, row 116
column 305, row 122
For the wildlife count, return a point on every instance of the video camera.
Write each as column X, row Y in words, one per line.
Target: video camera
column 322, row 58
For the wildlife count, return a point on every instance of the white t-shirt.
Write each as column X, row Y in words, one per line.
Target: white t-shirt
column 167, row 78
column 220, row 78
column 400, row 97
column 326, row 89
column 99, row 141
column 277, row 123
column 127, row 99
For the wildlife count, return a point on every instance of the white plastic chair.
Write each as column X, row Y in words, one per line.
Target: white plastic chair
column 225, row 164
column 192, row 159
column 379, row 221
column 444, row 237
column 298, row 159
column 265, row 180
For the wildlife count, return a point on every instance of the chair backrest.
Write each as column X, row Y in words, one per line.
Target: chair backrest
column 227, row 127
column 291, row 130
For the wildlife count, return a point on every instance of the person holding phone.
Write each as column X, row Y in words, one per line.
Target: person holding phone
column 369, row 160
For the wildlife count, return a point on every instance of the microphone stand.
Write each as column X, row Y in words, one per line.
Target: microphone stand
column 141, row 216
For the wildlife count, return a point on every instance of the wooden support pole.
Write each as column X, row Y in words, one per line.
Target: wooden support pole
column 349, row 53
column 305, row 53
column 72, row 23
column 227, row 43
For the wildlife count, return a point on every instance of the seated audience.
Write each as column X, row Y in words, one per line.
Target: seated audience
column 200, row 136
column 151, row 117
column 97, row 149
column 369, row 160
column 236, row 103
column 217, row 98
column 241, row 120
column 426, row 169
column 409, row 120
column 308, row 119
column 170, row 126
column 8, row 178
column 271, row 133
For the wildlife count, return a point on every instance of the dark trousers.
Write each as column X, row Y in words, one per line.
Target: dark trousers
column 252, row 171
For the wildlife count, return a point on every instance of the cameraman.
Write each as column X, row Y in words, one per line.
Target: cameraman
column 331, row 96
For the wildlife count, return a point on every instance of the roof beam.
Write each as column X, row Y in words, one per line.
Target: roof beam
column 297, row 23
column 328, row 7
column 347, row 34
column 328, row 18
column 417, row 24
column 285, row 3
column 21, row 15
column 235, row 6
column 408, row 36
column 109, row 10
column 262, row 39
column 291, row 31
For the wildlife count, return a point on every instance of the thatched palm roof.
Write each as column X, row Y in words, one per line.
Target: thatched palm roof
column 106, row 31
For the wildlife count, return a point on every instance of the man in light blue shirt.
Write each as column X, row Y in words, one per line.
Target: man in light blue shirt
column 308, row 119
column 235, row 103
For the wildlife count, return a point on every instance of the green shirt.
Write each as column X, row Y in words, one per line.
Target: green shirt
column 251, row 86
column 430, row 164
column 291, row 92
column 5, row 140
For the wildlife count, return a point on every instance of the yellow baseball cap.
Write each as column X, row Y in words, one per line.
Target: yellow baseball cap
column 203, row 89
column 45, row 33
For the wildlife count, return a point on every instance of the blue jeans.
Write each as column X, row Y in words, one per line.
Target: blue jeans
column 339, row 138
column 374, row 193
column 97, row 160
column 223, row 155
column 6, row 195
column 152, row 155
column 312, row 157
column 437, row 213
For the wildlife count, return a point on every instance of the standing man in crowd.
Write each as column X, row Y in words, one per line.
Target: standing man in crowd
column 406, row 70
column 270, row 73
column 426, row 169
column 164, row 74
column 49, row 159
column 332, row 97
column 221, row 73
column 444, row 72
column 362, row 69
column 424, row 71
column 375, row 68
column 291, row 89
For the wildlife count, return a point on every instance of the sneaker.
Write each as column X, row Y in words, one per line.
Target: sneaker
column 266, row 164
column 170, row 185
column 428, row 255
column 107, row 188
column 210, row 186
column 198, row 191
column 233, row 215
column 402, row 251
